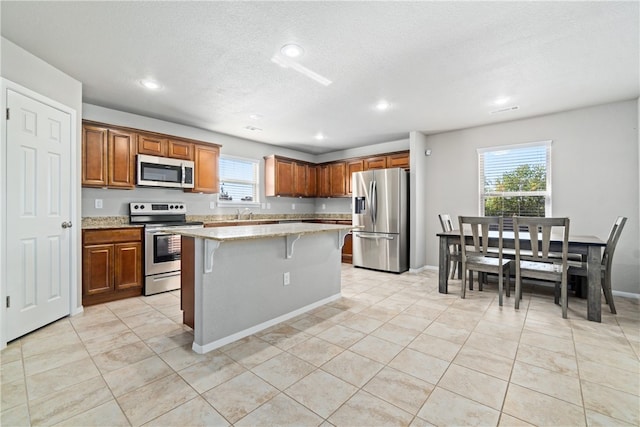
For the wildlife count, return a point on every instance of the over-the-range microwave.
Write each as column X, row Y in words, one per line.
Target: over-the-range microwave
column 156, row 171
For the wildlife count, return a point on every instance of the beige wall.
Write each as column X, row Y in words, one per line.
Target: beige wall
column 594, row 175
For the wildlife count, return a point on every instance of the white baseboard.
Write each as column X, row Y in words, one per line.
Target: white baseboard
column 431, row 267
column 201, row 349
column 625, row 294
column 417, row 270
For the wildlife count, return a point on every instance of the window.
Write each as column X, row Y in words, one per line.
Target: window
column 515, row 180
column 239, row 182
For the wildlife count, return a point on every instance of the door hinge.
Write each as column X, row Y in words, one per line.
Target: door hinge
column 8, row 114
column 8, row 301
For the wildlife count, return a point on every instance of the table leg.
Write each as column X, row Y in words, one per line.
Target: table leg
column 594, row 303
column 442, row 265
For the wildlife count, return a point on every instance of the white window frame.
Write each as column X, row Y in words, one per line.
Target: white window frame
column 239, row 203
column 481, row 179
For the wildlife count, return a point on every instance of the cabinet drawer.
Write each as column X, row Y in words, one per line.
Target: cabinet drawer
column 112, row 235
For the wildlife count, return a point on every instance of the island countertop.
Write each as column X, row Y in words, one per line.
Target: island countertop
column 248, row 232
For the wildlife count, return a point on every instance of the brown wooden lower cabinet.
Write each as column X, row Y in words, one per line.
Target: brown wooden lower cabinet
column 111, row 264
column 187, row 281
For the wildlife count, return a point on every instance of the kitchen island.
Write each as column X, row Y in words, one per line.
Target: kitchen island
column 237, row 281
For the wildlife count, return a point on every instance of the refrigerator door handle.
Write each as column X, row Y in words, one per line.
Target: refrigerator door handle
column 373, row 236
column 374, row 202
column 370, row 201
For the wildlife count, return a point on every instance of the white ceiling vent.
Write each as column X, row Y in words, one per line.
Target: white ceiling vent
column 507, row 109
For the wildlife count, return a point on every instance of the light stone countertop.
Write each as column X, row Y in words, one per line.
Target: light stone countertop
column 248, row 232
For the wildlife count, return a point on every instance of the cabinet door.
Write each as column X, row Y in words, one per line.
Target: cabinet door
column 337, row 173
column 311, row 190
column 375, row 163
column 180, row 149
column 97, row 269
column 352, row 166
column 398, row 160
column 284, row 177
column 127, row 265
column 323, row 181
column 206, row 169
column 299, row 179
column 121, row 159
column 152, row 145
column 94, row 156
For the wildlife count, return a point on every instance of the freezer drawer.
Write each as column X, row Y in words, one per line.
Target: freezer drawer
column 380, row 251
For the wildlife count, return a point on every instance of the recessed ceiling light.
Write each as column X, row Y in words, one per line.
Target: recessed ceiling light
column 255, row 116
column 501, row 101
column 292, row 50
column 319, row 136
column 150, row 84
column 382, row 105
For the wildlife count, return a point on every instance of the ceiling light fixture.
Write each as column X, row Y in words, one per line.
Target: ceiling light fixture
column 319, row 136
column 150, row 84
column 501, row 101
column 292, row 50
column 255, row 116
column 253, row 128
column 382, row 105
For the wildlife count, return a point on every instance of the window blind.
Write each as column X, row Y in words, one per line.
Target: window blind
column 238, row 180
column 515, row 180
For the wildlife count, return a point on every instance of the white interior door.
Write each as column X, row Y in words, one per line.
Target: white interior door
column 38, row 214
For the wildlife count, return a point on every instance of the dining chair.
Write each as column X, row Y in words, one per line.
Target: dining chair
column 534, row 258
column 580, row 269
column 476, row 256
column 454, row 250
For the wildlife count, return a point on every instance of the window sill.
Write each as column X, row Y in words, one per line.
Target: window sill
column 238, row 204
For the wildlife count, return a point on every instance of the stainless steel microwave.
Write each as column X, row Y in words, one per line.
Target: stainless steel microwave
column 156, row 171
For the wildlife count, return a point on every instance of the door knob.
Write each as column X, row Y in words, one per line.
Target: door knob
column 66, row 224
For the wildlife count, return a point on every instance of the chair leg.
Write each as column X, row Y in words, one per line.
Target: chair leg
column 556, row 293
column 564, row 297
column 464, row 286
column 454, row 264
column 471, row 280
column 508, row 284
column 518, row 290
column 608, row 294
column 500, row 284
column 482, row 278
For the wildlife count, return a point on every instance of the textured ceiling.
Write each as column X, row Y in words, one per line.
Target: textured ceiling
column 440, row 64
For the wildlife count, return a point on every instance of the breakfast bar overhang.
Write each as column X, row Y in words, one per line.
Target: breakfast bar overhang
column 237, row 281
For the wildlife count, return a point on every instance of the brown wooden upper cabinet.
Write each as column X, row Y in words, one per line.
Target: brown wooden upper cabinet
column 205, row 157
column 378, row 162
column 108, row 157
column 352, row 166
column 337, row 173
column 177, row 149
column 153, row 145
column 289, row 178
column 323, row 182
column 398, row 160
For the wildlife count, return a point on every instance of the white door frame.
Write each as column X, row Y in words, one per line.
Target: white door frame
column 74, row 307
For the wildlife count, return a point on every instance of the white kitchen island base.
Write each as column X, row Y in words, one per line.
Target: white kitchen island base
column 238, row 277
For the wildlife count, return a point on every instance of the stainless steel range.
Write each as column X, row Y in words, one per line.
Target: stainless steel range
column 162, row 248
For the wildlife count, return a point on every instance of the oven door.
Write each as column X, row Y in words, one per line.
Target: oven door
column 162, row 252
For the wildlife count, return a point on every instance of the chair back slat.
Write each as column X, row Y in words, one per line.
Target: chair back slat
column 616, row 230
column 479, row 227
column 540, row 231
column 445, row 222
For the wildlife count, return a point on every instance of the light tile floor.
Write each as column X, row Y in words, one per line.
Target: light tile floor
column 392, row 351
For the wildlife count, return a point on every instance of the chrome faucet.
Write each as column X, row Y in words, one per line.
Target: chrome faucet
column 239, row 214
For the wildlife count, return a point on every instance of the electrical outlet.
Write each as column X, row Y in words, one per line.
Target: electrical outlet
column 286, row 279
column 293, row 206
column 212, row 205
column 324, row 206
column 98, row 204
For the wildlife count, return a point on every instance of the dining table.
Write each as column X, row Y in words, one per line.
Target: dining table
column 588, row 247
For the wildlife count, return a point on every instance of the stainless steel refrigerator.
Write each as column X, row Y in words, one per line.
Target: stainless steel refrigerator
column 380, row 207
